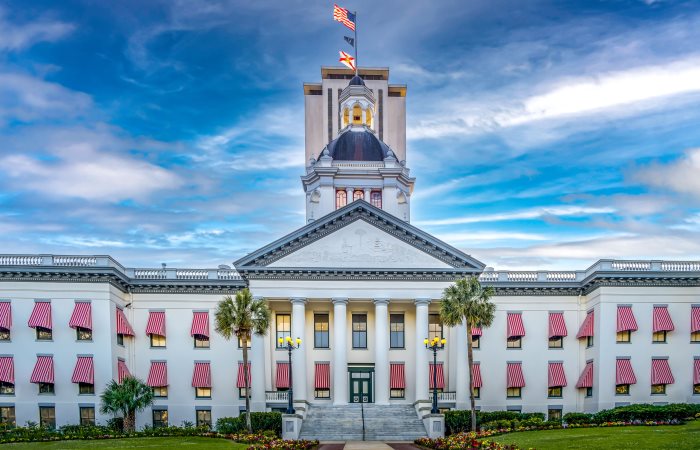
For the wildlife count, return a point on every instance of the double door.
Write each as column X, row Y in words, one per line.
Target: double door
column 361, row 385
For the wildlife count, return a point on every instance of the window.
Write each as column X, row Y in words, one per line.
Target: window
column 157, row 340
column 4, row 334
column 589, row 392
column 476, row 341
column 554, row 392
column 477, row 392
column 83, row 334
column 659, row 337
column 160, row 391
column 554, row 414
column 358, row 194
column 322, row 393
column 658, row 389
column 514, row 342
column 514, row 392
column 160, row 418
column 284, row 328
column 556, row 342
column 7, row 388
column 589, row 341
column 7, row 416
column 240, row 343
column 695, row 336
column 120, row 339
column 201, row 341
column 368, row 116
column 434, row 327
column 696, row 389
column 624, row 336
column 346, row 117
column 86, row 389
column 359, row 331
column 357, row 115
column 321, row 330
column 396, row 331
column 622, row 389
column 47, row 416
column 375, row 198
column 204, row 418
column 43, row 334
column 341, row 198
column 397, row 393
column 241, row 392
column 46, row 388
column 87, row 415
column 202, row 392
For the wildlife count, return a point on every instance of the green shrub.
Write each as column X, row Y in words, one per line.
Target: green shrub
column 261, row 421
column 230, row 425
column 576, row 418
column 458, row 421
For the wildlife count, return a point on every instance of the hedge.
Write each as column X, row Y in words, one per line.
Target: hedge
column 261, row 421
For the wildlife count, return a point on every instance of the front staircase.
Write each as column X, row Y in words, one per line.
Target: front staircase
column 357, row 422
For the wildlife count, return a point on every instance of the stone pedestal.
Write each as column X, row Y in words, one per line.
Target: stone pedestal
column 434, row 425
column 291, row 426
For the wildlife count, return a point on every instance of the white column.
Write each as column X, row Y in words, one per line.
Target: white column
column 367, row 192
column 381, row 351
column 421, row 351
column 299, row 355
column 462, row 364
column 348, row 194
column 340, row 356
column 256, row 356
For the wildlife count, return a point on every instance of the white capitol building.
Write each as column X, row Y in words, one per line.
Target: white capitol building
column 361, row 287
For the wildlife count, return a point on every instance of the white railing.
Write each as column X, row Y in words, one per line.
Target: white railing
column 488, row 276
column 19, row 260
column 445, row 396
column 680, row 266
column 522, row 276
column 191, row 274
column 75, row 261
column 228, row 275
column 276, row 396
column 561, row 276
column 631, row 265
column 149, row 274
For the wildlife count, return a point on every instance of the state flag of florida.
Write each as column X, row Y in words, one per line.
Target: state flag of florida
column 347, row 60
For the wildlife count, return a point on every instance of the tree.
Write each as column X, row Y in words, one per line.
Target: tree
column 467, row 301
column 126, row 398
column 240, row 317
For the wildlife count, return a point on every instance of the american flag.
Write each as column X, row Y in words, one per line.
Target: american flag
column 344, row 16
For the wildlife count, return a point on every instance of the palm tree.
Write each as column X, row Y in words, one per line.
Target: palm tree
column 240, row 317
column 468, row 301
column 127, row 397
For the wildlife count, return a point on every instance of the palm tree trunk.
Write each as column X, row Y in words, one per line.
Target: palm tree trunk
column 470, row 359
column 248, row 424
column 130, row 421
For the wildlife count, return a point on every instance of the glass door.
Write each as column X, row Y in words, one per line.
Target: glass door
column 361, row 386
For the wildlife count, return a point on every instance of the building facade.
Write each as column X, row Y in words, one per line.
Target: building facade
column 361, row 287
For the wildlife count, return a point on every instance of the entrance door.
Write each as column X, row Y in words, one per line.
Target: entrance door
column 361, row 385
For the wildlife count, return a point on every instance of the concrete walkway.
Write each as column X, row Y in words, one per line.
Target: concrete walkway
column 366, row 445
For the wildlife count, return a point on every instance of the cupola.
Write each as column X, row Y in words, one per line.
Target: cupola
column 357, row 105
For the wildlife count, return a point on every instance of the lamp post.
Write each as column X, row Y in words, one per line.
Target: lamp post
column 290, row 345
column 435, row 345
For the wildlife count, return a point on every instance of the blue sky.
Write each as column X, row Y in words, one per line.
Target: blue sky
column 542, row 134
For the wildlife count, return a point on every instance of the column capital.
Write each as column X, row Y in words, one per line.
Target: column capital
column 339, row 300
column 298, row 300
column 381, row 301
column 422, row 301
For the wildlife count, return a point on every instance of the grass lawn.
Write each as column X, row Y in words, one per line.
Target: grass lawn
column 678, row 437
column 154, row 443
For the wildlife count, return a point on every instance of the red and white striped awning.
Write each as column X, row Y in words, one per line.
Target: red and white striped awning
column 696, row 371
column 82, row 316
column 694, row 319
column 515, row 325
column 625, row 319
column 557, row 377
column 515, row 375
column 5, row 315
column 122, row 370
column 282, row 379
column 661, row 371
column 586, row 329
column 156, row 323
column 586, row 378
column 397, row 376
column 123, row 326
column 201, row 377
column 84, row 371
column 662, row 319
column 43, row 370
column 41, row 315
column 440, row 375
column 200, row 324
column 322, row 376
column 158, row 375
column 557, row 326
column 476, row 331
column 624, row 374
column 476, row 375
column 7, row 369
column 240, row 382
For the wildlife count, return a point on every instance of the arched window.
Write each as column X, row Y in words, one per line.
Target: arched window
column 357, row 115
column 368, row 115
column 341, row 198
column 376, row 198
column 359, row 194
column 346, row 117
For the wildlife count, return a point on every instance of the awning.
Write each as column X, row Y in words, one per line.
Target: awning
column 84, row 371
column 586, row 378
column 476, row 375
column 7, row 369
column 200, row 324
column 515, row 375
column 661, row 371
column 82, row 316
column 122, row 370
column 557, row 378
column 282, row 380
column 41, row 315
column 158, row 375
column 397, row 376
column 662, row 319
column 6, row 315
column 240, row 382
column 201, row 377
column 586, row 329
column 557, row 326
column 696, row 371
column 476, row 331
column 43, row 370
column 515, row 325
column 694, row 319
column 156, row 323
column 625, row 319
column 322, row 378
column 123, row 326
column 439, row 373
column 624, row 373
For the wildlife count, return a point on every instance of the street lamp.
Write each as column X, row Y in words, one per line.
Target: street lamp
column 290, row 345
column 435, row 345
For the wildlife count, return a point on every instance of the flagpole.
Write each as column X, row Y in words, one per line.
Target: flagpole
column 357, row 67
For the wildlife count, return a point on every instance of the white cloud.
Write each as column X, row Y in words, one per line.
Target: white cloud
column 534, row 213
column 486, row 236
column 680, row 176
column 20, row 36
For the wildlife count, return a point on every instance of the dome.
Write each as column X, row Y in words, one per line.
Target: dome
column 360, row 145
column 356, row 81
